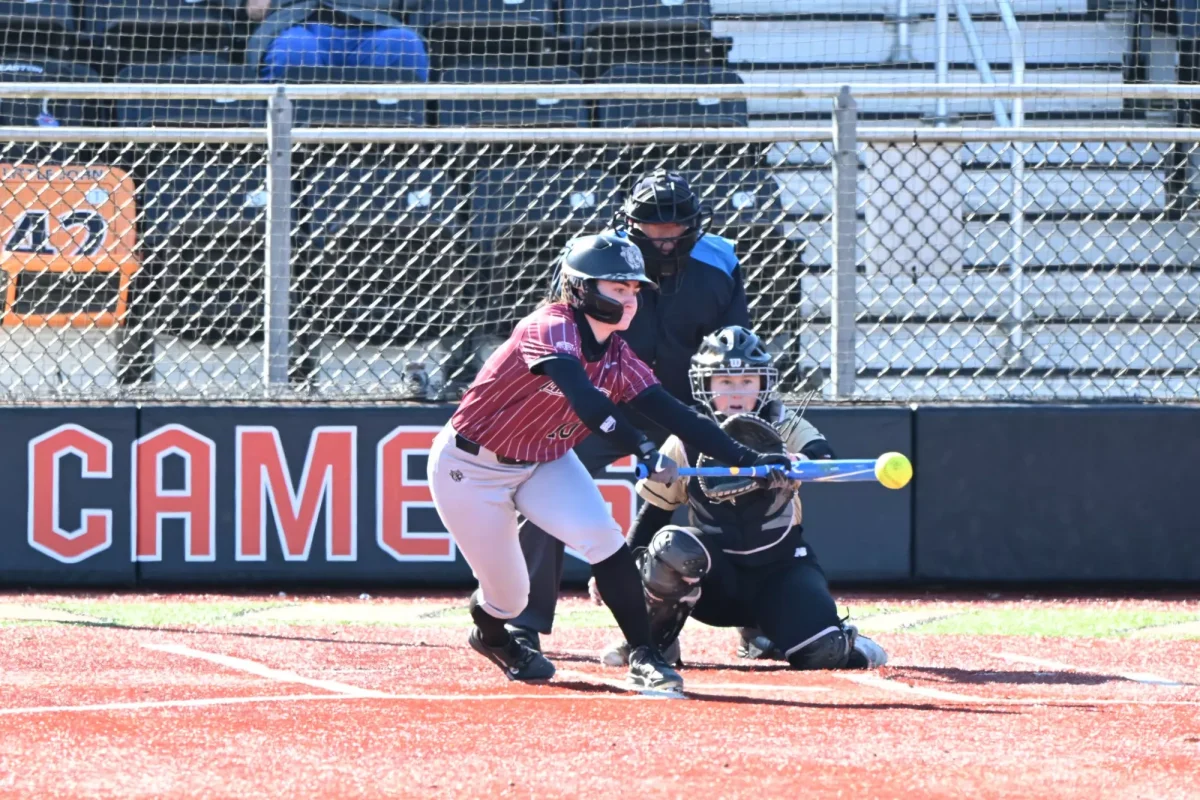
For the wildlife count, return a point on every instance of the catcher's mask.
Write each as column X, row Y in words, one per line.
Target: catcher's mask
column 732, row 351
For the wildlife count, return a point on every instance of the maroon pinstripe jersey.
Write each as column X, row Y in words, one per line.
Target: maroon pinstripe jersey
column 517, row 414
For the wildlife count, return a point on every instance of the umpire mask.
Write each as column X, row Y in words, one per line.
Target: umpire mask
column 662, row 199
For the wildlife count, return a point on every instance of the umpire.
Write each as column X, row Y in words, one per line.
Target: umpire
column 699, row 291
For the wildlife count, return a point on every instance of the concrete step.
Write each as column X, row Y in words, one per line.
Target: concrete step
column 921, row 347
column 750, row 8
column 924, row 105
column 984, row 191
column 1140, row 297
column 1096, row 244
column 808, row 42
column 1003, row 389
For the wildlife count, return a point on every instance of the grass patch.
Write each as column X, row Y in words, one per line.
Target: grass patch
column 161, row 614
column 1080, row 623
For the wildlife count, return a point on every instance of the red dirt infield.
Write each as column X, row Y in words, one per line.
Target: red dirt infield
column 252, row 708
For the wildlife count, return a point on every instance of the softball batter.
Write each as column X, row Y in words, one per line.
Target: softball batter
column 508, row 449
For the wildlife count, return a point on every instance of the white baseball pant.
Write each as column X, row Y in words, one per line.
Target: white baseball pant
column 478, row 499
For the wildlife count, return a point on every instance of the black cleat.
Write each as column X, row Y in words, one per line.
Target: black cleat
column 648, row 670
column 752, row 643
column 518, row 661
column 526, row 636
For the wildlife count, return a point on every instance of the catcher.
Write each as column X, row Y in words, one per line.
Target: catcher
column 742, row 561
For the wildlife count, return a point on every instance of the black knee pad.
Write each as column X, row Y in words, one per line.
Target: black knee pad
column 829, row 649
column 674, row 563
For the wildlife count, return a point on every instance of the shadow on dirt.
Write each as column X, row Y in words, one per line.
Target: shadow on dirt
column 1009, row 677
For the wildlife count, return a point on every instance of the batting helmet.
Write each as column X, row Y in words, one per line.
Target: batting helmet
column 732, row 351
column 602, row 257
column 662, row 197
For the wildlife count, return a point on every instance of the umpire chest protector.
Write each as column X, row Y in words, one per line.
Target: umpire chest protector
column 757, row 526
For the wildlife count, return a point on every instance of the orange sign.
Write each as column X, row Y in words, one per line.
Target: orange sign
column 69, row 244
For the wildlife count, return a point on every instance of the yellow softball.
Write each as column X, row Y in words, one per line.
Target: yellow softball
column 893, row 470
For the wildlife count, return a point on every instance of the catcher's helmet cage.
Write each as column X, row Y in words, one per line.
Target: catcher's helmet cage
column 602, row 257
column 661, row 197
column 733, row 350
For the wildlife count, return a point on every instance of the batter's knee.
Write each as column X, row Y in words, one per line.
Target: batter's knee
column 828, row 649
column 675, row 562
column 598, row 541
column 505, row 600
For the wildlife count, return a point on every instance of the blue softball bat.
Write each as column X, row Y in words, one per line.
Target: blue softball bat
column 827, row 470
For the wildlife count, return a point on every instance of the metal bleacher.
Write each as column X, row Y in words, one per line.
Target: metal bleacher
column 412, row 244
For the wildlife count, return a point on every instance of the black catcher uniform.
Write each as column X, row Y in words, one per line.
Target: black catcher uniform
column 742, row 561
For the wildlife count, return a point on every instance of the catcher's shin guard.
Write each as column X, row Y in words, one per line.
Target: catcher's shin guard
column 672, row 568
column 827, row 649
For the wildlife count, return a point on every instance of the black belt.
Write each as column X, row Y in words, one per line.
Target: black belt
column 466, row 445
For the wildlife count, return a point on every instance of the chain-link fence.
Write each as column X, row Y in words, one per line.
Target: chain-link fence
column 376, row 264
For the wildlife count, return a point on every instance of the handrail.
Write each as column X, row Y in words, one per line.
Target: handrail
column 866, row 135
column 942, row 22
column 981, row 63
column 901, row 52
column 1016, row 248
column 602, row 91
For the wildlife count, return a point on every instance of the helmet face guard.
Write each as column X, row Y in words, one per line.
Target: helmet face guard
column 733, row 351
column 584, row 294
column 661, row 198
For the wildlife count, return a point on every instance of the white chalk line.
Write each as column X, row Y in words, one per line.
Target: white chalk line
column 694, row 688
column 877, row 682
column 286, row 698
column 635, row 692
column 193, row 703
column 1138, row 677
column 263, row 671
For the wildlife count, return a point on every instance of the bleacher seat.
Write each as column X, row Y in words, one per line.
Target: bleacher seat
column 606, row 32
column 203, row 245
column 204, row 70
column 703, row 112
column 46, row 112
column 43, row 28
column 511, row 113
column 123, row 32
column 381, row 113
column 465, row 30
column 379, row 252
column 522, row 218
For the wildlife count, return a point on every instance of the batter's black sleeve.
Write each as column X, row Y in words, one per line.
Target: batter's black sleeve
column 695, row 430
column 650, row 520
column 591, row 405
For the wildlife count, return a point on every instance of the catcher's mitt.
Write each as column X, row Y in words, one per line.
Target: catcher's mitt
column 757, row 434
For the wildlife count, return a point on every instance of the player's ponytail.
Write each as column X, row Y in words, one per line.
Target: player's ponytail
column 557, row 291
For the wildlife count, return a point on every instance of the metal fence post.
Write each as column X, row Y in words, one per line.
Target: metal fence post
column 277, row 281
column 845, row 242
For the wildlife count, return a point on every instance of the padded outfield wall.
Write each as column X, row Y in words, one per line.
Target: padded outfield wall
column 335, row 497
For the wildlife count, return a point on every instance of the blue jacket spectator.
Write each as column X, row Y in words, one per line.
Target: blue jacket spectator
column 333, row 33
